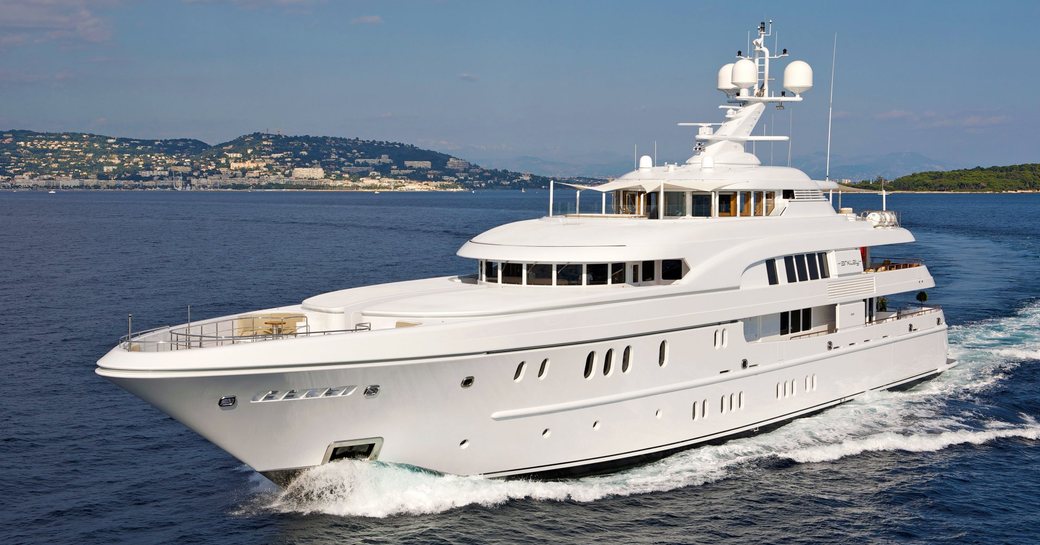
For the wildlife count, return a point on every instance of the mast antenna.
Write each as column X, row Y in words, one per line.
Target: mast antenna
column 830, row 108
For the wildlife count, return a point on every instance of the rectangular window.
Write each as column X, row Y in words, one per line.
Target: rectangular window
column 770, row 202
column 617, row 273
column 803, row 273
column 512, row 273
column 491, row 271
column 785, row 323
column 796, row 321
column 788, row 194
column 596, row 274
column 648, row 271
column 674, row 203
column 568, row 275
column 806, row 319
column 824, row 270
column 792, row 277
column 760, row 203
column 635, row 273
column 539, row 274
column 701, row 206
column 814, row 266
column 771, row 272
column 671, row 269
column 745, row 203
column 727, row 204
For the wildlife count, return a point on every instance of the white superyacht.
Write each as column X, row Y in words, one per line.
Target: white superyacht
column 707, row 300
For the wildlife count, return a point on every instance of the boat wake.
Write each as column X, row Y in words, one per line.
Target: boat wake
column 953, row 409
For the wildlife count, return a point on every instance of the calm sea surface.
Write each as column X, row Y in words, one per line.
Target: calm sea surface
column 82, row 461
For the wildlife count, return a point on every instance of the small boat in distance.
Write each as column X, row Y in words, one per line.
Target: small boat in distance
column 701, row 301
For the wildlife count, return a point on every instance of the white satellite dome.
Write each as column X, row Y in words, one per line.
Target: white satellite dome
column 726, row 79
column 798, row 77
column 745, row 74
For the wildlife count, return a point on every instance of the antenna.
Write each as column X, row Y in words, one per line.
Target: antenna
column 655, row 153
column 635, row 156
column 830, row 110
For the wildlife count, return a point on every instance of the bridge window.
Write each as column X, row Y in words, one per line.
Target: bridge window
column 512, row 273
column 596, row 274
column 568, row 275
column 617, row 273
column 491, row 271
column 648, row 271
column 539, row 274
column 671, row 269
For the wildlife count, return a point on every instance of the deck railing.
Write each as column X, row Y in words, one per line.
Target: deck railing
column 228, row 331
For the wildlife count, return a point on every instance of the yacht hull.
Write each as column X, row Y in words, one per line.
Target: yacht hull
column 509, row 422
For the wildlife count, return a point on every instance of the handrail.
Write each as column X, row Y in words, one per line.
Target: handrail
column 237, row 330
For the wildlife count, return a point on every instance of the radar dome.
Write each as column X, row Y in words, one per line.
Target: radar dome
column 745, row 74
column 798, row 77
column 726, row 79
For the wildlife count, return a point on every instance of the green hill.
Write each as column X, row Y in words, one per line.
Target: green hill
column 992, row 179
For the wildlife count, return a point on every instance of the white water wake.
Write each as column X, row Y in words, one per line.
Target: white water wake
column 925, row 419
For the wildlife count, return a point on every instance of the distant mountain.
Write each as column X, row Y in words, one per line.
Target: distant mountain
column 868, row 167
column 257, row 159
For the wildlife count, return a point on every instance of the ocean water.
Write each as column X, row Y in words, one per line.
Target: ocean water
column 81, row 461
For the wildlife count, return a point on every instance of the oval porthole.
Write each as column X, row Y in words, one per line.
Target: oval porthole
column 608, row 363
column 662, row 354
column 595, row 425
column 546, row 433
column 658, row 414
column 590, row 362
column 626, row 359
column 519, row 374
column 543, row 369
column 467, row 382
column 464, row 443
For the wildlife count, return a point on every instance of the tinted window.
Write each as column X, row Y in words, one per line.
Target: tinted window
column 648, row 271
column 785, row 323
column 814, row 266
column 824, row 271
column 491, row 271
column 597, row 273
column 702, row 206
column 671, row 269
column 590, row 360
column 539, row 274
column 806, row 319
column 674, row 203
column 512, row 273
column 568, row 275
column 803, row 273
column 771, row 272
column 789, row 265
column 617, row 273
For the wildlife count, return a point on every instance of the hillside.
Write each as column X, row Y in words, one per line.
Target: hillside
column 992, row 179
column 252, row 160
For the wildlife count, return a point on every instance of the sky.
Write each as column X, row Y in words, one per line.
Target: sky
column 566, row 82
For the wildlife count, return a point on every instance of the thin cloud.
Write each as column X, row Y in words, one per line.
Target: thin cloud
column 933, row 120
column 367, row 20
column 36, row 21
column 466, row 76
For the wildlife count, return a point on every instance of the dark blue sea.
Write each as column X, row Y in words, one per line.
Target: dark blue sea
column 81, row 461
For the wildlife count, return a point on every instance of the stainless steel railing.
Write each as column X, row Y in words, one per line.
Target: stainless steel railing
column 229, row 331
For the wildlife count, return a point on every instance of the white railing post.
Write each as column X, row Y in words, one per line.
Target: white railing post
column 551, row 184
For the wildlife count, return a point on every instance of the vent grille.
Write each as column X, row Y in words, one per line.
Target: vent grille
column 809, row 195
column 852, row 288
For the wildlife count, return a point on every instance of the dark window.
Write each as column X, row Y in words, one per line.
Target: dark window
column 771, row 272
column 674, row 203
column 543, row 369
column 568, row 275
column 519, row 371
column 597, row 273
column 512, row 273
column 626, row 359
column 539, row 275
column 662, row 354
column 785, row 323
column 792, row 277
column 814, row 266
column 702, row 206
column 671, row 269
column 617, row 273
column 608, row 362
column 590, row 361
column 727, row 204
column 648, row 271
column 803, row 274
column 491, row 271
column 806, row 319
column 788, row 194
column 796, row 321
column 824, row 270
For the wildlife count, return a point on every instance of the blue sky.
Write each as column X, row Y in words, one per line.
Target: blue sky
column 569, row 81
